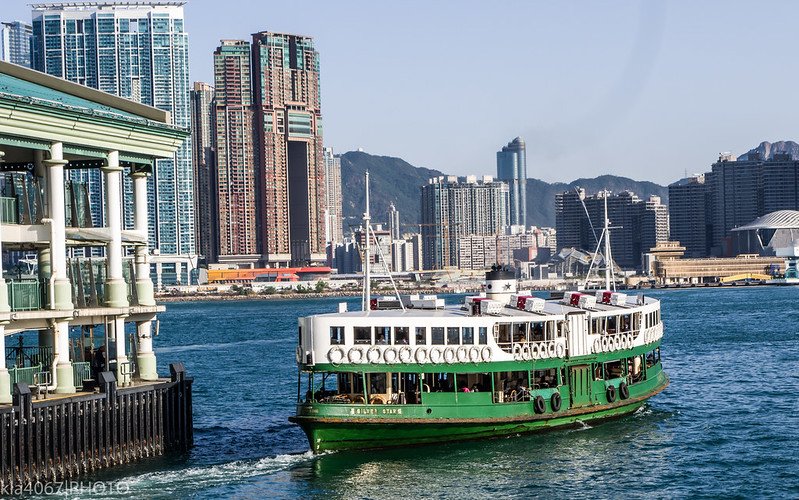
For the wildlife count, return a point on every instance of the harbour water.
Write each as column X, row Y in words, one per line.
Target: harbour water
column 728, row 425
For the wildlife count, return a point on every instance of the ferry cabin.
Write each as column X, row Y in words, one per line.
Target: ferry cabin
column 436, row 362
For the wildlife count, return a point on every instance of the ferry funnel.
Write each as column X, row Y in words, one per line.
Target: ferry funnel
column 500, row 284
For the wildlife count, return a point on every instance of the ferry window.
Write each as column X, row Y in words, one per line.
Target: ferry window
column 437, row 334
column 520, row 332
column 545, row 378
column 550, row 330
column 468, row 335
column 401, row 335
column 596, row 326
column 336, row 335
column 503, row 337
column 611, row 322
column 613, row 369
column 483, row 331
column 376, row 390
column 626, row 323
column 421, row 335
column 362, row 335
column 382, row 334
column 537, row 333
column 453, row 335
column 438, row 382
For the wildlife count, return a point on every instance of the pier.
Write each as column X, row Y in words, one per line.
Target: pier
column 79, row 387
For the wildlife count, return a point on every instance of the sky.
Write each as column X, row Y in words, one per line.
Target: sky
column 644, row 89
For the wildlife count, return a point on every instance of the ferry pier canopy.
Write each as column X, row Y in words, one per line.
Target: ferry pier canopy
column 77, row 291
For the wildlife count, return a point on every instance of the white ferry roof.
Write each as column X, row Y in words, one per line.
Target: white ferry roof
column 551, row 308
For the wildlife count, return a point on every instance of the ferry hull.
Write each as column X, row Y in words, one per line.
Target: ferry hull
column 338, row 433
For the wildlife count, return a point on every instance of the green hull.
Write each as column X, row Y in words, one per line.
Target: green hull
column 326, row 431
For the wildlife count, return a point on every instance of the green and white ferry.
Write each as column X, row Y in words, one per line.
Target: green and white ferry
column 411, row 370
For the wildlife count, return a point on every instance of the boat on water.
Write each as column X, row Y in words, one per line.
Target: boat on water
column 410, row 370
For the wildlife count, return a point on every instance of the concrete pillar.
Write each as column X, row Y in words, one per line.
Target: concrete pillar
column 178, row 272
column 144, row 285
column 118, row 328
column 158, row 274
column 60, row 288
column 5, row 379
column 116, row 290
column 145, row 358
column 65, row 383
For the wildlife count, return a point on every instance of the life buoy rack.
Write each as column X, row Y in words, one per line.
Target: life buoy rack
column 449, row 355
column 405, row 354
column 624, row 391
column 486, row 353
column 335, row 355
column 610, row 393
column 560, row 350
column 373, row 355
column 474, row 354
column 462, row 354
column 421, row 355
column 555, row 401
column 539, row 405
column 355, row 355
column 435, row 355
column 390, row 355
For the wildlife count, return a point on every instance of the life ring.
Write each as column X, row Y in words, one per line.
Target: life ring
column 526, row 355
column 376, row 400
column 604, row 344
column 624, row 391
column 534, row 352
column 405, row 354
column 610, row 392
column 421, row 355
column 597, row 345
column 435, row 355
column 555, row 401
column 390, row 355
column 551, row 351
column 358, row 399
column 486, row 353
column 373, row 355
column 616, row 343
column 462, row 353
column 539, row 405
column 355, row 355
column 474, row 354
column 517, row 351
column 560, row 351
column 335, row 355
column 449, row 355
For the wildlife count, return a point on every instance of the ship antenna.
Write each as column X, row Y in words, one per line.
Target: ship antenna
column 367, row 291
column 606, row 235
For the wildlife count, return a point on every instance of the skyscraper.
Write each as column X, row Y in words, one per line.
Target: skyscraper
column 137, row 50
column 288, row 118
column 455, row 207
column 394, row 222
column 203, row 156
column 691, row 215
column 15, row 43
column 334, row 220
column 512, row 169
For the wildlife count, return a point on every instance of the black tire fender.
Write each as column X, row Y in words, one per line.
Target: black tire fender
column 610, row 392
column 539, row 405
column 555, row 401
column 624, row 391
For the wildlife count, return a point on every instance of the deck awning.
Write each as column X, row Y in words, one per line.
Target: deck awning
column 101, row 236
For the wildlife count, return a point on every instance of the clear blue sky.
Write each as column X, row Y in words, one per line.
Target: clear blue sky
column 643, row 89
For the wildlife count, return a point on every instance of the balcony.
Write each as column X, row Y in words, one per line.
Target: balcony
column 26, row 294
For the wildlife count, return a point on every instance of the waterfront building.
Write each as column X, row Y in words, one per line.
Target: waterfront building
column 690, row 215
column 288, row 116
column 406, row 253
column 203, row 156
column 15, row 43
column 636, row 225
column 512, row 169
column 137, row 50
column 453, row 208
column 334, row 217
column 237, row 168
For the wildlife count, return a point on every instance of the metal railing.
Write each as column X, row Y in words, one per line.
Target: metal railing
column 81, row 371
column 26, row 374
column 8, row 210
column 25, row 356
column 26, row 295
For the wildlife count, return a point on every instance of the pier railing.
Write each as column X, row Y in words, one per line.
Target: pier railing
column 26, row 294
column 23, row 356
column 60, row 438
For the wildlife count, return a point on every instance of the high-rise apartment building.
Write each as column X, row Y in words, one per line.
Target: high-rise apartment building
column 334, row 219
column 636, row 225
column 205, row 201
column 691, row 215
column 137, row 50
column 512, row 169
column 15, row 43
column 455, row 207
column 394, row 222
column 237, row 166
column 288, row 118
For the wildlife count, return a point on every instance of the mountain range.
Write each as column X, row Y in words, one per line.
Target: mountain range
column 393, row 180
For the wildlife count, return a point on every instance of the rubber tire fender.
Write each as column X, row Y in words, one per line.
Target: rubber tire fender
column 539, row 405
column 555, row 401
column 624, row 391
column 610, row 392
